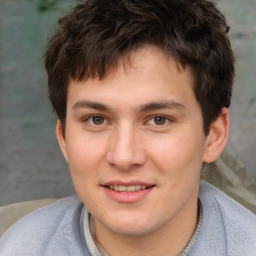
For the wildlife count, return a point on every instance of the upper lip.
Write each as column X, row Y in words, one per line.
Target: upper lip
column 129, row 183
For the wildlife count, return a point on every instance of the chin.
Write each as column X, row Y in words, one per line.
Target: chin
column 130, row 226
column 130, row 230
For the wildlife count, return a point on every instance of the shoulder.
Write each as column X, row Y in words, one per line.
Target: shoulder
column 226, row 225
column 228, row 208
column 50, row 228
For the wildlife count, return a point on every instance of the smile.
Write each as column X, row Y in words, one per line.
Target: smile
column 128, row 193
column 130, row 188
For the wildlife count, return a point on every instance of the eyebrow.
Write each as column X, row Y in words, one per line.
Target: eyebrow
column 142, row 108
column 91, row 104
column 161, row 105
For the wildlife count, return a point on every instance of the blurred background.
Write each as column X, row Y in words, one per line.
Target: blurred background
column 31, row 165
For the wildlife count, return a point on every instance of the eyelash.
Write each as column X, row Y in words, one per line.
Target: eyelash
column 166, row 120
column 104, row 120
column 87, row 119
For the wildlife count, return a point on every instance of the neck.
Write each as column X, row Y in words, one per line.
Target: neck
column 170, row 239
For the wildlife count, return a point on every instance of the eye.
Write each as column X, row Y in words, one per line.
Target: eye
column 96, row 120
column 158, row 120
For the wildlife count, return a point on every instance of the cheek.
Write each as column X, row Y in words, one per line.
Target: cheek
column 178, row 154
column 84, row 151
column 84, row 161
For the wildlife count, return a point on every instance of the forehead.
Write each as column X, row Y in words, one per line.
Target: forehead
column 144, row 74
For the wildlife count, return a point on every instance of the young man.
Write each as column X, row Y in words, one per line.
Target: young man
column 141, row 90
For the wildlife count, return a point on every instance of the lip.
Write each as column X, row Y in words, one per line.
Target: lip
column 127, row 197
column 129, row 183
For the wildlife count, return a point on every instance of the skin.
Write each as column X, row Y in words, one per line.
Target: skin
column 140, row 125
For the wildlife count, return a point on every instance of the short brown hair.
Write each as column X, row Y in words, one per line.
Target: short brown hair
column 95, row 34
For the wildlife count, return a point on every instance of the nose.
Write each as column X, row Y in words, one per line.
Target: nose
column 125, row 150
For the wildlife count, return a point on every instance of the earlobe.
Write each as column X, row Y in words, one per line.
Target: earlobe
column 61, row 139
column 217, row 137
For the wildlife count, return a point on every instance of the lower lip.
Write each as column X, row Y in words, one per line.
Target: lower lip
column 127, row 197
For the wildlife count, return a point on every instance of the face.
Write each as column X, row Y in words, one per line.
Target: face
column 135, row 144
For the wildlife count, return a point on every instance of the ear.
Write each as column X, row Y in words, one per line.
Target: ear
column 217, row 138
column 61, row 139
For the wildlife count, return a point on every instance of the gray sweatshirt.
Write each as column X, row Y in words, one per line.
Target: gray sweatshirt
column 227, row 229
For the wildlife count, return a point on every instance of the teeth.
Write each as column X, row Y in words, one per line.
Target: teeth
column 130, row 188
column 122, row 188
column 137, row 187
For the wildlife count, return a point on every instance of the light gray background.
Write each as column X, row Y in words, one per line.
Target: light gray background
column 31, row 165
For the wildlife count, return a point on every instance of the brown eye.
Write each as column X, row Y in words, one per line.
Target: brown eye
column 159, row 120
column 97, row 120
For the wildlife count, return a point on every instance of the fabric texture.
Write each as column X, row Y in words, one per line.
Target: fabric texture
column 12, row 213
column 96, row 250
column 227, row 228
column 229, row 175
column 53, row 230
